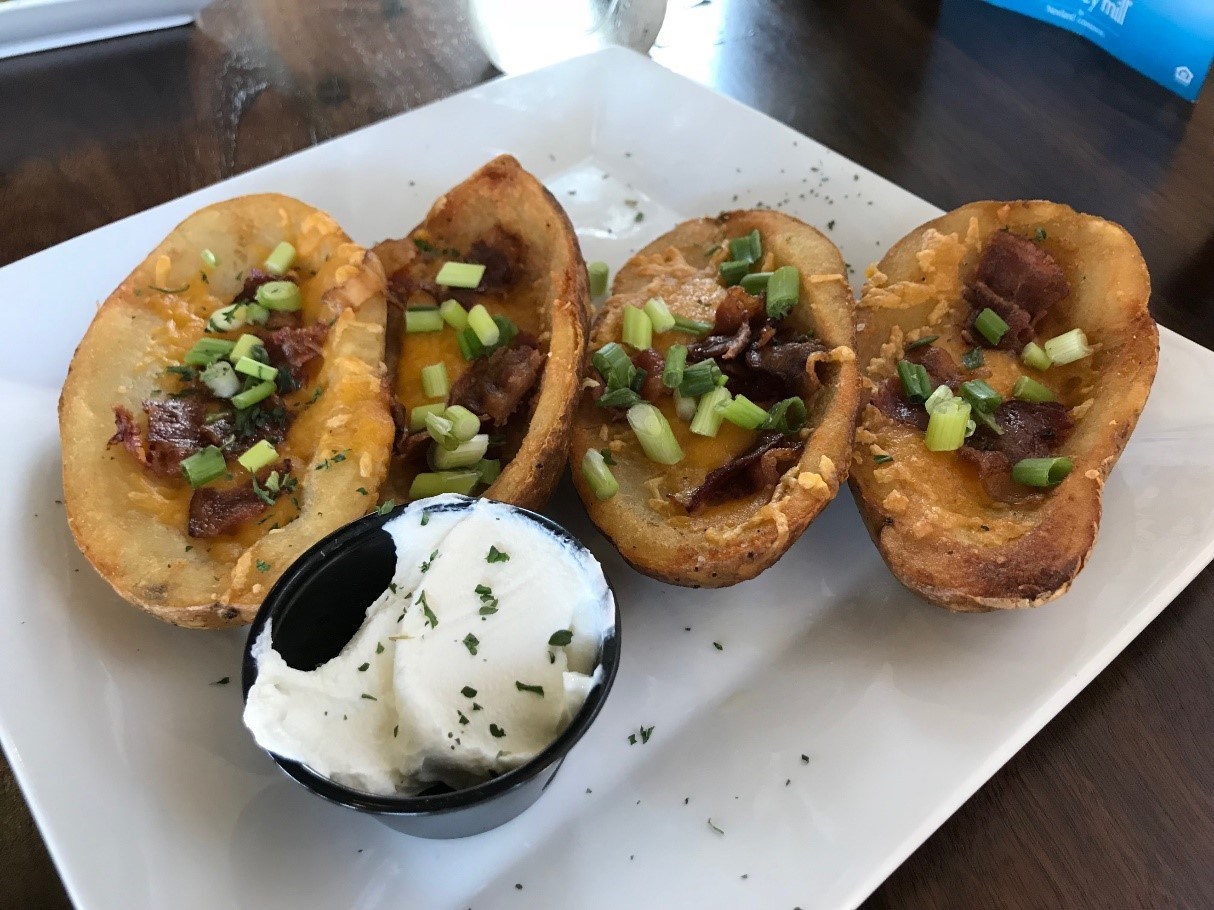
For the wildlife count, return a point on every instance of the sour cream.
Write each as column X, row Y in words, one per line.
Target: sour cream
column 478, row 655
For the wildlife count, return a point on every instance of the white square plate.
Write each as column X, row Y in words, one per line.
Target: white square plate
column 840, row 723
column 27, row 26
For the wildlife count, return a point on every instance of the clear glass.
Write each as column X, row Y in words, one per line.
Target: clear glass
column 522, row 36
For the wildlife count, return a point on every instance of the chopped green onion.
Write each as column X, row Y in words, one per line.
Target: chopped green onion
column 210, row 258
column 602, row 482
column 654, row 434
column 693, row 326
column 221, row 379
column 598, row 273
column 280, row 295
column 743, row 412
column 227, row 319
column 423, row 319
column 973, row 359
column 464, row 424
column 259, row 456
column 469, row 345
column 921, row 342
column 638, row 330
column 991, row 326
column 465, row 455
column 915, row 381
column 619, row 398
column 1028, row 389
column 699, row 379
column 684, row 407
column 203, row 466
column 783, row 291
column 487, row 331
column 755, row 283
column 1034, row 355
column 787, row 416
column 417, row 417
column 434, row 380
column 280, row 259
column 244, row 347
column 440, row 428
column 676, row 361
column 207, row 350
column 1068, row 347
column 506, row 330
column 250, row 397
column 460, row 275
column 256, row 314
column 942, row 394
column 987, row 420
column 255, row 368
column 614, row 365
column 981, row 396
column 748, row 248
column 947, row 425
column 453, row 314
column 489, row 469
column 733, row 272
column 659, row 314
column 1042, row 472
column 426, row 485
column 708, row 416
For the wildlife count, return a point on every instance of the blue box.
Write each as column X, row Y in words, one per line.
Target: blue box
column 1171, row 41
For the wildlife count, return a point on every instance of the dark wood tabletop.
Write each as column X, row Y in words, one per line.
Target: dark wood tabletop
column 1112, row 805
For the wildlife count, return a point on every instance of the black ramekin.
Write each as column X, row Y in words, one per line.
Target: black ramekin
column 315, row 609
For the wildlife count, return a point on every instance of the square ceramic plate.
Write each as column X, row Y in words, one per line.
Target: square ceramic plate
column 841, row 721
column 27, row 26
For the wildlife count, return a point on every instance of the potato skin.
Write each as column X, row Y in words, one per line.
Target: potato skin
column 131, row 526
column 722, row 550
column 502, row 195
column 1049, row 540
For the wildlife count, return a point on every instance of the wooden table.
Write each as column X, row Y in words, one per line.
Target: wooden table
column 1112, row 805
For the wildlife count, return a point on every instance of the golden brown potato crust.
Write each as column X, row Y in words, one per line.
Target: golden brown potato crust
column 729, row 544
column 940, row 534
column 132, row 526
column 503, row 198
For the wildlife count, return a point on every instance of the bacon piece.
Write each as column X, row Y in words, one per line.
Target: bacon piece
column 496, row 385
column 127, row 432
column 1031, row 429
column 1020, row 281
column 995, row 474
column 744, row 474
column 214, row 511
column 654, row 364
column 940, row 366
column 503, row 254
column 174, row 432
column 1019, row 323
column 293, row 348
column 890, row 399
column 731, row 330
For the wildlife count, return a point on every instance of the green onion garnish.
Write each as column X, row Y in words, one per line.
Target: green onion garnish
column 434, row 380
column 259, row 456
column 699, row 379
column 659, row 314
column 417, row 417
column 1034, row 355
column 244, row 347
column 280, row 295
column 598, row 273
column 619, row 398
column 638, row 329
column 465, row 455
column 733, row 272
column 256, row 314
column 1028, row 389
column 676, row 361
column 453, row 314
column 280, row 259
column 614, row 365
column 943, row 393
column 743, row 412
column 755, row 283
column 787, row 416
column 506, row 330
column 654, row 434
column 423, row 319
column 783, row 291
column 440, row 428
column 1042, row 472
column 255, row 368
column 684, row 407
column 708, row 415
column 487, row 331
column 210, row 258
column 693, row 326
column 981, row 396
column 227, row 319
column 203, row 466
column 221, row 379
column 434, row 484
column 1068, row 347
column 915, row 381
column 921, row 342
column 947, row 425
column 464, row 424
column 560, row 638
column 973, row 359
column 469, row 345
column 991, row 326
column 602, row 482
column 489, row 469
column 207, row 350
column 460, row 275
column 250, row 397
column 748, row 248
